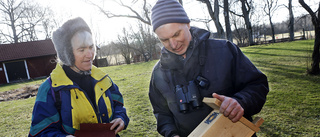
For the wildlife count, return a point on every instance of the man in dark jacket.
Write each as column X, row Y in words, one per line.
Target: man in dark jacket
column 193, row 66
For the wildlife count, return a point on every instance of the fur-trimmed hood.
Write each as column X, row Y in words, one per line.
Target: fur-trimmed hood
column 61, row 39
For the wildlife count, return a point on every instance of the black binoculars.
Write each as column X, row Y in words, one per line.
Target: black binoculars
column 190, row 94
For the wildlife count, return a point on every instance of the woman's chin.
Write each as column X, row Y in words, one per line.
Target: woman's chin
column 86, row 68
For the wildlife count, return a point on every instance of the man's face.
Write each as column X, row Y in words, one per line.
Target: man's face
column 175, row 37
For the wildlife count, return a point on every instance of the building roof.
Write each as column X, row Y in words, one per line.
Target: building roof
column 25, row 50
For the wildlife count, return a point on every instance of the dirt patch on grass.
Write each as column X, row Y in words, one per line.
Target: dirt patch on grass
column 21, row 93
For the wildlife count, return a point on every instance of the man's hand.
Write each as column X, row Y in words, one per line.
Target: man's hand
column 117, row 123
column 230, row 107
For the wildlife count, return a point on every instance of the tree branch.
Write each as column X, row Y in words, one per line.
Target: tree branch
column 201, row 20
column 135, row 16
column 309, row 10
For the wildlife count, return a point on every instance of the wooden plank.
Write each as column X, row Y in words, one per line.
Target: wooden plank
column 215, row 104
column 249, row 124
column 217, row 125
column 258, row 121
column 205, row 126
column 224, row 127
column 212, row 102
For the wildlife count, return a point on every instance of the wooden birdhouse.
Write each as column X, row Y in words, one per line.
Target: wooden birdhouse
column 217, row 125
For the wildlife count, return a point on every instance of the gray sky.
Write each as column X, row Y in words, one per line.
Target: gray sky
column 108, row 29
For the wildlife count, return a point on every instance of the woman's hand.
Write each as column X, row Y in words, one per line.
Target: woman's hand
column 118, row 124
column 230, row 107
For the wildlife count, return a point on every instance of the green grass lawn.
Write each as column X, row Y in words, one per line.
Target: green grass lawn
column 19, row 85
column 292, row 107
column 293, row 104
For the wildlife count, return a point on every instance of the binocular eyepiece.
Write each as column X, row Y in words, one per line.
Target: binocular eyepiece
column 182, row 98
column 202, row 82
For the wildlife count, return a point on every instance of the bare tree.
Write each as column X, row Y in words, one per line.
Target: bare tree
column 135, row 14
column 214, row 14
column 206, row 21
column 246, row 7
column 124, row 46
column 12, row 12
column 303, row 22
column 144, row 42
column 34, row 15
column 315, row 70
column 227, row 19
column 49, row 23
column 110, row 51
column 270, row 6
column 240, row 33
column 47, row 28
column 291, row 21
column 22, row 18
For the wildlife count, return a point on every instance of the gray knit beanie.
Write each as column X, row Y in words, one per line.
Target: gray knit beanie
column 168, row 11
column 61, row 39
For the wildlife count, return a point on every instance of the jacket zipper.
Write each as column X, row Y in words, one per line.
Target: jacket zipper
column 96, row 111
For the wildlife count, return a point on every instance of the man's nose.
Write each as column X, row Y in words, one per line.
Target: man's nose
column 173, row 43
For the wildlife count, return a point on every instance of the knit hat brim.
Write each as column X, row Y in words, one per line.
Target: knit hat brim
column 168, row 11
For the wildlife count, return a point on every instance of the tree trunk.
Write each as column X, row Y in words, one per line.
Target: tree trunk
column 291, row 21
column 245, row 12
column 272, row 30
column 315, row 55
column 217, row 20
column 227, row 20
column 127, row 60
column 215, row 16
column 14, row 32
column 146, row 56
column 13, row 26
column 315, row 70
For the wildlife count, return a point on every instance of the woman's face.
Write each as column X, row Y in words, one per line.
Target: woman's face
column 83, row 50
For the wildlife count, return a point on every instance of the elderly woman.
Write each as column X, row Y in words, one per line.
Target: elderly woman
column 76, row 91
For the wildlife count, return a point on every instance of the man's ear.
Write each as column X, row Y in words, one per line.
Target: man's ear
column 188, row 25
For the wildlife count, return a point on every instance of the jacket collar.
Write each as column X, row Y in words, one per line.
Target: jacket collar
column 199, row 35
column 59, row 77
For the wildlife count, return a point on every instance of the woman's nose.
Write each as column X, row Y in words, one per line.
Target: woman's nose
column 89, row 53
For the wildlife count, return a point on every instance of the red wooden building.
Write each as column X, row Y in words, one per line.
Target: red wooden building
column 26, row 60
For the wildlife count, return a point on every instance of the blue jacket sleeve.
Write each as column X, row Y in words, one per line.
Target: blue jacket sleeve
column 118, row 105
column 45, row 117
